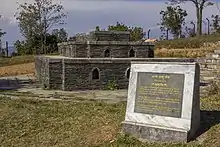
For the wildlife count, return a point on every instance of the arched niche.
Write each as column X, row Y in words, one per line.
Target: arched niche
column 107, row 53
column 127, row 73
column 131, row 53
column 95, row 74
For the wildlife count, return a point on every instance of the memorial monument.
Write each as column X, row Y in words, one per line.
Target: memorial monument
column 92, row 62
column 163, row 101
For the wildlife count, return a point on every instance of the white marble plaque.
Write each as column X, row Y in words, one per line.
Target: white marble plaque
column 171, row 102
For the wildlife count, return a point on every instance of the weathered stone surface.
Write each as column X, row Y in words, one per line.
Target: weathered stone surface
column 146, row 133
column 96, row 49
column 65, row 73
column 42, row 71
column 110, row 36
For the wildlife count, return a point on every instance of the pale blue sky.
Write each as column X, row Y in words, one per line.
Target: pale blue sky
column 84, row 15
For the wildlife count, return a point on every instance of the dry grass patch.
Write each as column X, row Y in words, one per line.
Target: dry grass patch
column 187, row 53
column 12, row 70
column 17, row 65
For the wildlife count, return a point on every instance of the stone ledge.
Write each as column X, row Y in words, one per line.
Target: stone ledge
column 115, row 60
column 110, row 32
column 106, row 43
column 145, row 133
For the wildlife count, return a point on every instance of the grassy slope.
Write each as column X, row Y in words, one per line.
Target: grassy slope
column 51, row 123
column 16, row 60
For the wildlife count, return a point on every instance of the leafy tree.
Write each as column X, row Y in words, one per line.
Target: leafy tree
column 215, row 23
column 173, row 18
column 38, row 18
column 1, row 32
column 97, row 28
column 189, row 32
column 60, row 34
column 24, row 47
column 137, row 33
column 2, row 52
column 21, row 47
column 199, row 5
column 118, row 27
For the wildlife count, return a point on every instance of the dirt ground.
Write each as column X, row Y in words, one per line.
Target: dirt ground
column 12, row 70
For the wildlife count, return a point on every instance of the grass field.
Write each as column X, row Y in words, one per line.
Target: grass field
column 58, row 123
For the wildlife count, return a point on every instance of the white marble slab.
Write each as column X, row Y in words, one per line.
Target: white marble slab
column 183, row 123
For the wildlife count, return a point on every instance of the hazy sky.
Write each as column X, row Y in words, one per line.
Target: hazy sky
column 84, row 15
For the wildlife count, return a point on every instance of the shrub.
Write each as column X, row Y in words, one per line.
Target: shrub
column 214, row 88
column 112, row 85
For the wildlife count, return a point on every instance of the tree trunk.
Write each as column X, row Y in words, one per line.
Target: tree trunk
column 198, row 21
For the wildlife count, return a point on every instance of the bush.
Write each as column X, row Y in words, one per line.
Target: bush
column 193, row 42
column 214, row 88
column 112, row 85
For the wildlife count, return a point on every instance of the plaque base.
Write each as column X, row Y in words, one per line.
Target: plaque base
column 149, row 133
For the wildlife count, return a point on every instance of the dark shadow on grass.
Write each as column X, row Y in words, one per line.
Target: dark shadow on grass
column 15, row 84
column 208, row 119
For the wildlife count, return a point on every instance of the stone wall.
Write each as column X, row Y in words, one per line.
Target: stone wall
column 110, row 36
column 102, row 36
column 76, row 73
column 42, row 71
column 96, row 49
column 55, row 74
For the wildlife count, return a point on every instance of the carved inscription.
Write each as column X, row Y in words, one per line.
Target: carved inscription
column 159, row 94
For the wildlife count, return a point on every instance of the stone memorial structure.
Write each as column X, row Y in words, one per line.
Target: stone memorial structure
column 163, row 100
column 91, row 62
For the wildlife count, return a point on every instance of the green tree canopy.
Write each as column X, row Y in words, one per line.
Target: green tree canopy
column 215, row 23
column 37, row 18
column 60, row 34
column 1, row 32
column 137, row 33
column 199, row 5
column 173, row 18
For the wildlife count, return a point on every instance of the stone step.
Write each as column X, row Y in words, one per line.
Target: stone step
column 208, row 69
column 209, row 63
column 208, row 78
column 209, row 55
column 215, row 55
column 217, row 51
column 208, row 60
column 208, row 75
column 213, row 66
